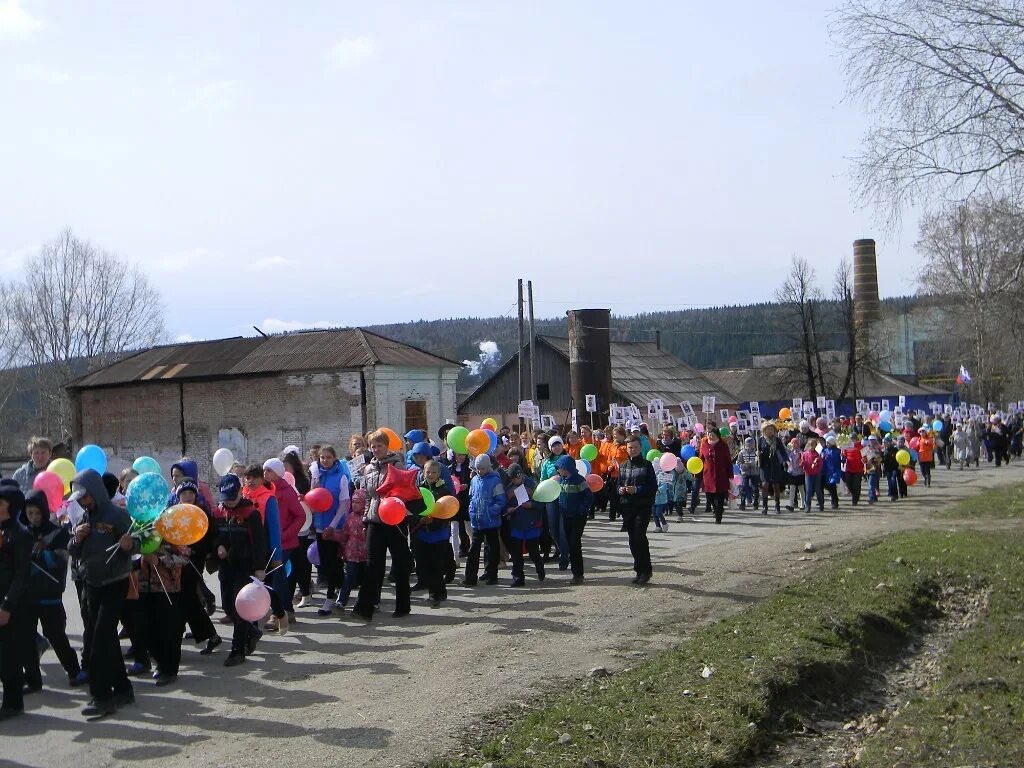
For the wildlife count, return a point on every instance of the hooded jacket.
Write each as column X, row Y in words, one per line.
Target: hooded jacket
column 26, row 474
column 49, row 553
column 576, row 498
column 486, row 501
column 107, row 523
column 241, row 533
column 338, row 482
column 373, row 477
column 190, row 469
column 525, row 521
column 265, row 501
column 15, row 553
column 291, row 515
column 833, row 471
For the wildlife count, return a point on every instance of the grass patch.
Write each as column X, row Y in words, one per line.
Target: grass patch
column 813, row 640
column 997, row 504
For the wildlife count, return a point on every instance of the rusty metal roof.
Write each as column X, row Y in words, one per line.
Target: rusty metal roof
column 321, row 350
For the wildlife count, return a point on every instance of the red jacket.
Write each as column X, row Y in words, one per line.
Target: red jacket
column 717, row 466
column 292, row 515
column 854, row 460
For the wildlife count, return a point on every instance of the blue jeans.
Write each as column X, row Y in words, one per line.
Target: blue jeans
column 872, row 487
column 812, row 487
column 750, row 489
column 556, row 527
column 659, row 514
column 894, row 484
column 353, row 580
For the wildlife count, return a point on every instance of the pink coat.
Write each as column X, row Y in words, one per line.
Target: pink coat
column 291, row 514
column 352, row 539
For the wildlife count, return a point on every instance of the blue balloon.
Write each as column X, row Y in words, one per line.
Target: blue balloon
column 885, row 416
column 688, row 452
column 146, row 464
column 147, row 497
column 91, row 457
column 937, row 425
column 884, row 427
column 736, row 469
column 913, row 454
column 586, row 464
column 494, row 441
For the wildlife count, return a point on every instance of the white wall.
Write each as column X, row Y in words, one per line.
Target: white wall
column 393, row 385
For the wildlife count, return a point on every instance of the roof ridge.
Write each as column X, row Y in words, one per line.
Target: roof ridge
column 369, row 350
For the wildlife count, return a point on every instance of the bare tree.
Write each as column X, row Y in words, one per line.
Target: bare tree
column 802, row 296
column 973, row 254
column 77, row 306
column 944, row 82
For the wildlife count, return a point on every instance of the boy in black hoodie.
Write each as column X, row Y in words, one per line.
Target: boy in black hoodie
column 47, row 579
column 16, row 643
column 104, row 547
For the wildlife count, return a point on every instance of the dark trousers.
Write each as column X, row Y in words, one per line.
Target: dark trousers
column 515, row 550
column 193, row 606
column 355, row 573
column 574, row 533
column 382, row 539
column 17, row 648
column 490, row 537
column 330, row 565
column 695, row 487
column 926, row 471
column 164, row 627
column 611, row 487
column 302, row 571
column 83, row 611
column 134, row 622
column 635, row 521
column 231, row 582
column 107, row 675
column 717, row 504
column 556, row 528
column 54, row 622
column 431, row 564
column 853, row 483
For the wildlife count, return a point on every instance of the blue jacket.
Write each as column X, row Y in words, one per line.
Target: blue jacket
column 576, row 498
column 527, row 523
column 832, row 470
column 331, row 480
column 486, row 501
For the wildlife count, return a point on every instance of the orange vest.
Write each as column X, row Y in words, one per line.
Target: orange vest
column 925, row 449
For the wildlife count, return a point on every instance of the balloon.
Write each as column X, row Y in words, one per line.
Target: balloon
column 588, row 452
column 694, row 465
column 885, row 416
column 724, row 432
column 494, row 441
column 698, row 428
column 736, row 470
column 445, row 508
column 91, row 457
column 456, row 439
column 151, row 544
column 146, row 464
column 319, row 499
column 596, row 482
column 391, row 511
column 688, row 452
column 65, row 470
column 914, row 455
column 910, row 477
column 547, row 491
column 222, row 461
column 313, row 554
column 668, row 462
column 477, row 442
column 937, row 425
column 182, row 525
column 489, row 423
column 733, row 419
column 289, row 478
column 583, row 467
column 873, row 416
column 252, row 602
column 902, row 457
column 785, row 413
column 394, row 441
column 653, row 454
column 428, row 499
column 52, row 486
column 147, row 495
column 884, row 426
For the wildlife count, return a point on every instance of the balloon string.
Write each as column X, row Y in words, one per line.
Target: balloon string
column 156, row 570
column 271, row 559
column 46, row 573
column 272, row 571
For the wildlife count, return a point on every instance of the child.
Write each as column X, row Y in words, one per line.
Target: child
column 486, row 505
column 926, row 454
column 796, row 474
column 196, row 606
column 662, row 499
column 160, row 598
column 853, row 473
column 431, row 538
column 47, row 579
column 241, row 552
column 891, row 467
column 812, row 464
column 573, row 504
column 351, row 538
column 832, row 471
column 680, row 490
column 522, row 526
column 873, row 467
column 750, row 474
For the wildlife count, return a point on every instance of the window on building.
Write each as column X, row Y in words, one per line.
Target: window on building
column 415, row 415
column 543, row 392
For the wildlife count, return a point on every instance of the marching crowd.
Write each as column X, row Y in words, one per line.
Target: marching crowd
column 389, row 509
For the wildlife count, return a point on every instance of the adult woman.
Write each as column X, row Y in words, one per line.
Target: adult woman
column 717, row 473
column 613, row 452
column 332, row 475
column 382, row 538
column 668, row 442
column 772, row 458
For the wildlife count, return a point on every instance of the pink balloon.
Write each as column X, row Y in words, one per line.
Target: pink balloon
column 698, row 428
column 252, row 602
column 668, row 461
column 52, row 486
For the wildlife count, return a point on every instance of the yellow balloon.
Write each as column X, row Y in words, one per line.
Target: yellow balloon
column 65, row 470
column 489, row 423
column 694, row 465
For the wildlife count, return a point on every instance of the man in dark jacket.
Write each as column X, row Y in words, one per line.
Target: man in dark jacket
column 16, row 629
column 638, row 485
column 104, row 546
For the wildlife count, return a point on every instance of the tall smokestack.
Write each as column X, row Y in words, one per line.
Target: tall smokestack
column 590, row 358
column 867, row 309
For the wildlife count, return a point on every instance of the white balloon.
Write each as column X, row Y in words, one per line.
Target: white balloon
column 222, row 461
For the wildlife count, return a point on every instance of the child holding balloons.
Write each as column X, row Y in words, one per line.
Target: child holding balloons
column 160, row 600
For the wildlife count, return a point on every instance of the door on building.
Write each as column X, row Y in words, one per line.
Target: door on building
column 415, row 415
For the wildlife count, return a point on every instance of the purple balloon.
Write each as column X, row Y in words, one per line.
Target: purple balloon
column 313, row 554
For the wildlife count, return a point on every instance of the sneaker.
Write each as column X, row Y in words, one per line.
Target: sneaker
column 211, row 645
column 81, row 678
column 299, row 601
column 643, row 579
column 327, row 608
column 665, row 527
column 234, row 659
column 272, row 624
column 138, row 668
column 96, row 710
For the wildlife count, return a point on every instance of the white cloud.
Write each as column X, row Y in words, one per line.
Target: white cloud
column 274, row 325
column 219, row 93
column 268, row 262
column 16, row 24
column 350, row 53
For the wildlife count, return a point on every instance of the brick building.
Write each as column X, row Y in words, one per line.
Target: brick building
column 257, row 395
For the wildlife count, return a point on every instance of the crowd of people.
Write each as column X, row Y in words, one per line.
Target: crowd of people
column 261, row 526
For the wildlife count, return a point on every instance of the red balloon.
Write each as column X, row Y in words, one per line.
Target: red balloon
column 595, row 482
column 391, row 510
column 910, row 476
column 52, row 487
column 319, row 499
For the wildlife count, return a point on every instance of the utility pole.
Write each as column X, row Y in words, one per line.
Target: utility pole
column 519, row 351
column 533, row 343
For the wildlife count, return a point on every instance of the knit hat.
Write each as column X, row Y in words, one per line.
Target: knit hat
column 188, row 485
column 748, row 442
column 566, row 462
column 831, row 440
column 274, row 465
column 555, row 439
column 482, row 463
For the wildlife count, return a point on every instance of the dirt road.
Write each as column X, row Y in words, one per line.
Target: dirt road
column 338, row 692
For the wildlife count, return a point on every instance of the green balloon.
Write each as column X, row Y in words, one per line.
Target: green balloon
column 428, row 499
column 151, row 544
column 724, row 431
column 547, row 491
column 588, row 452
column 653, row 454
column 456, row 439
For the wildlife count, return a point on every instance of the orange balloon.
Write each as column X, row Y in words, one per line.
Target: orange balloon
column 785, row 413
column 445, row 508
column 595, row 482
column 182, row 525
column 394, row 441
column 478, row 442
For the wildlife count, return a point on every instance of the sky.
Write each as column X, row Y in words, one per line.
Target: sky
column 329, row 163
